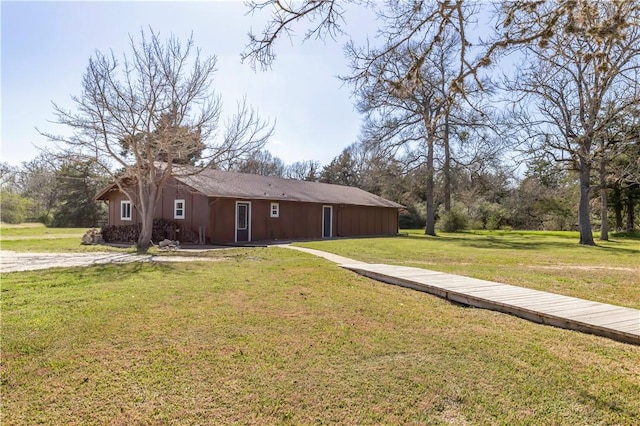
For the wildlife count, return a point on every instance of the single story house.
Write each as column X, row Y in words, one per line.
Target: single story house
column 229, row 207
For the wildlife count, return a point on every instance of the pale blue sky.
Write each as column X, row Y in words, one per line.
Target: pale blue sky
column 46, row 47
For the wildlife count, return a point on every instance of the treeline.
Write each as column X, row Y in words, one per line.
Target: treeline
column 58, row 192
column 488, row 192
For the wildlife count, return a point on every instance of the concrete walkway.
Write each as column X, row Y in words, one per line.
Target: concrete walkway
column 602, row 319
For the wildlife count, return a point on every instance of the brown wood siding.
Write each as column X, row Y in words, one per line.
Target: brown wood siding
column 115, row 197
column 222, row 220
column 355, row 221
column 259, row 214
column 195, row 208
column 296, row 220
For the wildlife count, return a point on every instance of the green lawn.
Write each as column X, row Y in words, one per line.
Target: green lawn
column 549, row 261
column 272, row 336
column 37, row 230
column 35, row 237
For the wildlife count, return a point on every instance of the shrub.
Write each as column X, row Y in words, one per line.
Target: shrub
column 493, row 222
column 454, row 220
column 13, row 207
column 490, row 215
column 412, row 218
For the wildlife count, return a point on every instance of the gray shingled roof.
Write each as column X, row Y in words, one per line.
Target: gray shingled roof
column 218, row 183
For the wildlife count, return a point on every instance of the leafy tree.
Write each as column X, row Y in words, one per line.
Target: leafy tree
column 155, row 104
column 341, row 170
column 454, row 220
column 388, row 178
column 364, row 165
column 622, row 172
column 616, row 158
column 545, row 198
column 13, row 207
column 77, row 183
column 483, row 192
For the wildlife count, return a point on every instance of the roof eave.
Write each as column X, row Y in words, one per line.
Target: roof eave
column 103, row 192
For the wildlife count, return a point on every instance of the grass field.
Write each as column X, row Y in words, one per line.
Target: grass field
column 37, row 230
column 35, row 237
column 548, row 261
column 272, row 336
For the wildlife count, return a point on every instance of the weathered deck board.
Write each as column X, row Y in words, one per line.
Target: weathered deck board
column 615, row 322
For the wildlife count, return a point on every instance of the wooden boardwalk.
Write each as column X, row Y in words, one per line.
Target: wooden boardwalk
column 615, row 322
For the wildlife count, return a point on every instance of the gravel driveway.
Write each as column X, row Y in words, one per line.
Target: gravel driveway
column 14, row 262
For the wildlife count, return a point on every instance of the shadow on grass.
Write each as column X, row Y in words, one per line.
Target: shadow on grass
column 491, row 242
column 633, row 235
column 600, row 403
column 118, row 269
column 501, row 242
column 618, row 249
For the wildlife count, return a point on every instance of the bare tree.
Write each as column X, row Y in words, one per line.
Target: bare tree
column 515, row 23
column 156, row 107
column 262, row 163
column 413, row 37
column 8, row 175
column 308, row 170
column 421, row 25
column 36, row 180
column 405, row 94
column 578, row 83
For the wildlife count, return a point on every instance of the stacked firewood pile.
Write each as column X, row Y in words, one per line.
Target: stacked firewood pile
column 189, row 236
column 162, row 229
column 121, row 234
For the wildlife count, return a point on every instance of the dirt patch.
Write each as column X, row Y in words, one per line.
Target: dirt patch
column 17, row 262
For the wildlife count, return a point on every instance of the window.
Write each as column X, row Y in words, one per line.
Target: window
column 125, row 210
column 243, row 222
column 275, row 210
column 178, row 209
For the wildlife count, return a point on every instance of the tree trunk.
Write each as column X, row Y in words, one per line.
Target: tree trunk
column 604, row 218
column 617, row 206
column 146, row 231
column 630, row 206
column 431, row 216
column 446, row 169
column 149, row 197
column 584, row 221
